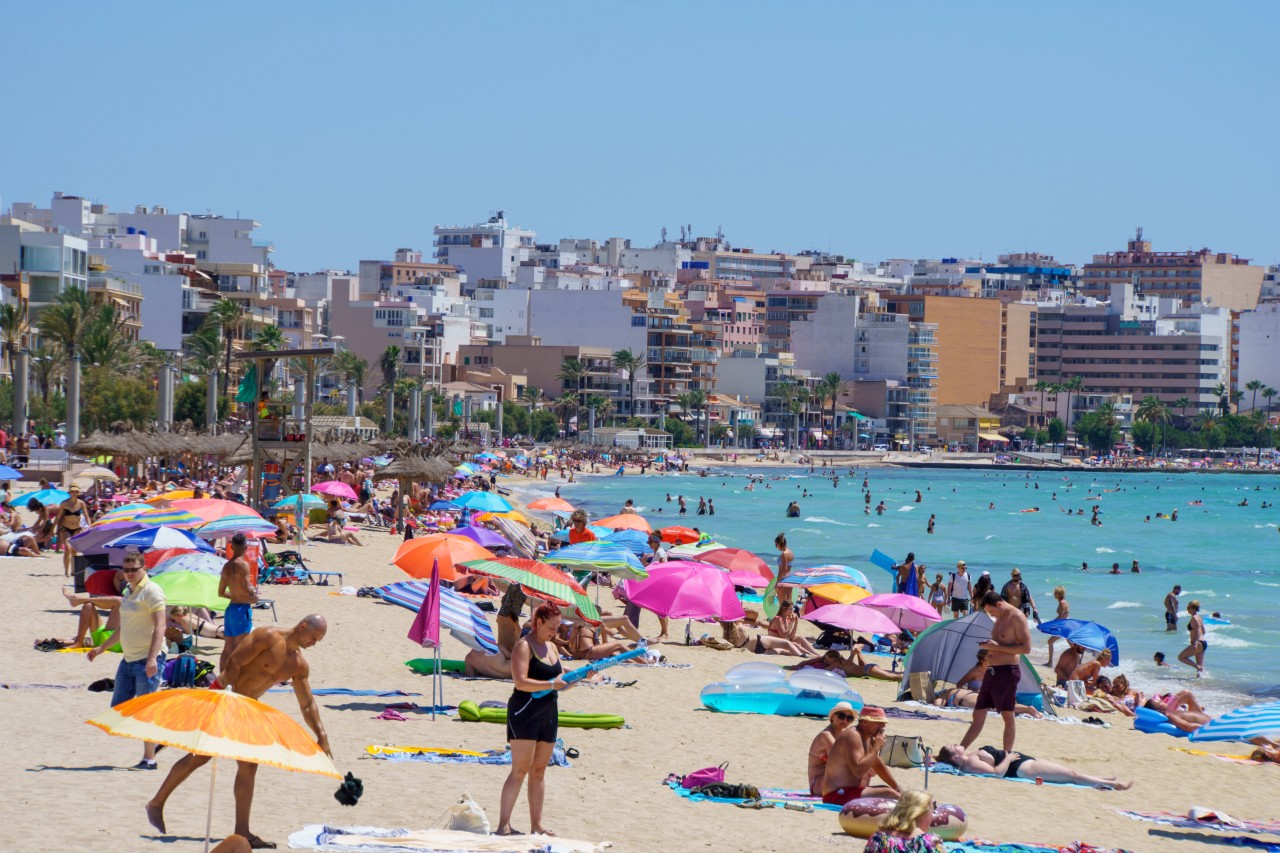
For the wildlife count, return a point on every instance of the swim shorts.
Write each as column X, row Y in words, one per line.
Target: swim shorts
column 958, row 604
column 842, row 796
column 237, row 621
column 1170, row 618
column 999, row 688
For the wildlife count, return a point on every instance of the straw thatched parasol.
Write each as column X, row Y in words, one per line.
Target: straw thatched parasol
column 100, row 443
column 417, row 468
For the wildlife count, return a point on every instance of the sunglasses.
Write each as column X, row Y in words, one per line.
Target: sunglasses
column 844, row 715
column 131, row 568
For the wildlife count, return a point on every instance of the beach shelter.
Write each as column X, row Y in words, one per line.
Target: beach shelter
column 462, row 617
column 483, row 501
column 1243, row 724
column 683, row 589
column 625, row 521
column 221, row 724
column 950, row 649
column 599, row 556
column 1091, row 635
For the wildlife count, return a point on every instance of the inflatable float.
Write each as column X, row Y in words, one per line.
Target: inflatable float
column 1153, row 722
column 1216, row 620
column 427, row 666
column 473, row 713
column 861, row 818
column 765, row 688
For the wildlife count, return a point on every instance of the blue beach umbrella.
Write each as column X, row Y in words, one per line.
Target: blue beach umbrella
column 1243, row 724
column 160, row 537
column 462, row 617
column 483, row 502
column 601, row 533
column 7, row 473
column 635, row 541
column 201, row 563
column 309, row 501
column 444, row 506
column 827, row 574
column 604, row 556
column 1091, row 635
column 47, row 496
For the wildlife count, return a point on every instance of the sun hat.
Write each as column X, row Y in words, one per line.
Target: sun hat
column 842, row 706
column 874, row 714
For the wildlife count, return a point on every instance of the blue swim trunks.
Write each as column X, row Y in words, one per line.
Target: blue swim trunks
column 237, row 621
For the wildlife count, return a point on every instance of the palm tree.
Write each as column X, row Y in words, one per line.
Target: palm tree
column 1206, row 420
column 270, row 339
column 104, row 342
column 572, row 372
column 1154, row 411
column 47, row 361
column 567, row 406
column 830, row 388
column 226, row 315
column 531, row 395
column 632, row 363
column 13, row 331
column 352, row 369
column 1042, row 386
column 698, row 402
column 65, row 321
column 1220, row 391
column 786, row 393
column 1254, row 385
column 1183, row 403
column 1267, row 394
column 389, row 364
column 1071, row 385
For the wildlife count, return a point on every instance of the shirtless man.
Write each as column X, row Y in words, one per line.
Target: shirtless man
column 1171, row 608
column 1067, row 663
column 268, row 656
column 1193, row 654
column 236, row 584
column 840, row 718
column 854, row 757
column 1010, row 638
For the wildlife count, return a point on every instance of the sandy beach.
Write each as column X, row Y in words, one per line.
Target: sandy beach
column 69, row 789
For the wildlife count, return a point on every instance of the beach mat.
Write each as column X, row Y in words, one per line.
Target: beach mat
column 1221, row 756
column 373, row 839
column 947, row 770
column 1208, row 819
column 444, row 755
column 777, row 798
column 978, row 845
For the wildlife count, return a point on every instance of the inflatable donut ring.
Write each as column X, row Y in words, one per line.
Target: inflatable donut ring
column 861, row 818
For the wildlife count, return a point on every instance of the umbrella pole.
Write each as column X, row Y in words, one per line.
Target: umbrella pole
column 208, row 818
column 437, row 685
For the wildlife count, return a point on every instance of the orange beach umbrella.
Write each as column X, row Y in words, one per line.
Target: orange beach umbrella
column 416, row 556
column 625, row 521
column 552, row 505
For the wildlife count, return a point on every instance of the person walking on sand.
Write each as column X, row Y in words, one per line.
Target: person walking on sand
column 73, row 514
column 236, row 585
column 269, row 656
column 1193, row 654
column 960, row 590
column 1010, row 638
column 1171, row 608
column 1064, row 611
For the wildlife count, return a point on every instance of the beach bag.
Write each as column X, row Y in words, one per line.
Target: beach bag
column 465, row 816
column 705, row 776
column 1075, row 694
column 903, row 751
column 922, row 687
column 184, row 672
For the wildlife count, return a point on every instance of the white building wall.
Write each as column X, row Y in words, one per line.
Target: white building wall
column 161, row 310
column 1258, row 347
column 592, row 318
column 836, row 338
column 743, row 378
column 504, row 312
column 664, row 257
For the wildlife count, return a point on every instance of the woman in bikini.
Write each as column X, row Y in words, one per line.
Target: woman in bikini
column 938, row 594
column 1064, row 611
column 989, row 761
column 962, row 697
column 761, row 644
column 71, row 517
column 840, row 718
column 786, row 625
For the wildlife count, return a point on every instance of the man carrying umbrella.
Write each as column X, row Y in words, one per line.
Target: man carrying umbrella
column 267, row 657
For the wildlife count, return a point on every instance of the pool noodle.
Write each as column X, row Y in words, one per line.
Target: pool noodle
column 591, row 668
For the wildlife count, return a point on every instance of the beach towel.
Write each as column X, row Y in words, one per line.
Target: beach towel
column 978, row 844
column 347, row 691
column 434, row 755
column 16, row 685
column 374, row 838
column 770, row 797
column 1236, row 759
column 1199, row 817
column 948, row 770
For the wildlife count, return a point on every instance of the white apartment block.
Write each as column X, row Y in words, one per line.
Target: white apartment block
column 53, row 261
column 490, row 250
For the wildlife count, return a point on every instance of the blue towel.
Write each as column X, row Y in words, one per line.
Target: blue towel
column 948, row 770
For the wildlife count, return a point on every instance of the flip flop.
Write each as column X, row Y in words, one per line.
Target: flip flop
column 256, row 843
column 754, row 804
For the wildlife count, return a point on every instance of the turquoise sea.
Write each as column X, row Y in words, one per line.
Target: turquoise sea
column 1222, row 554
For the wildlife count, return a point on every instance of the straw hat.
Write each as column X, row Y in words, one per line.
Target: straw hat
column 874, row 714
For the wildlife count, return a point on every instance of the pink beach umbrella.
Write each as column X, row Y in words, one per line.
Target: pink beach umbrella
column 335, row 488
column 683, row 589
column 853, row 617
column 908, row 612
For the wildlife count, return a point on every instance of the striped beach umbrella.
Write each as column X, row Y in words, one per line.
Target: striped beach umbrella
column 169, row 517
column 308, row 502
column 695, row 550
column 128, row 512
column 175, row 495
column 462, row 617
column 1243, row 724
column 538, row 580
column 199, row 561
column 635, row 541
column 818, row 575
column 159, row 537
column 211, row 509
column 600, row 556
column 522, row 541
column 230, row 525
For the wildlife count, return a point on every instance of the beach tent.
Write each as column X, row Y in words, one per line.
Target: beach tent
column 949, row 649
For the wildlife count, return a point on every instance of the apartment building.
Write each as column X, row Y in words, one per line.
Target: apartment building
column 408, row 268
column 52, row 261
column 486, row 251
column 1215, row 278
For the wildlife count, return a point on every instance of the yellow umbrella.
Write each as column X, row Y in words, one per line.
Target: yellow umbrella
column 514, row 515
column 221, row 724
column 177, row 495
column 839, row 593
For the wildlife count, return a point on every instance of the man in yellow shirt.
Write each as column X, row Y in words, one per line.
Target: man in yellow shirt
column 141, row 637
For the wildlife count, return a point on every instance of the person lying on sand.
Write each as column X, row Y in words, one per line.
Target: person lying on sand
column 851, row 667
column 990, row 761
column 480, row 665
column 962, row 697
column 761, row 644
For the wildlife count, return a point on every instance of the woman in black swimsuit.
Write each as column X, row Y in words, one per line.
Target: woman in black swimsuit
column 71, row 517
column 989, row 761
column 532, row 721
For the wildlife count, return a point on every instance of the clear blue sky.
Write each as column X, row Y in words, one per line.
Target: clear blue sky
column 878, row 130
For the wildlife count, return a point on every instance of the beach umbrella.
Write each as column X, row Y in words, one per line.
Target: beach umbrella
column 601, row 533
column 47, row 497
column 1091, row 635
column 695, row 550
column 168, row 517
column 481, row 536
column 7, row 473
column 686, row 590
column 156, row 556
column 229, row 525
column 1243, row 724
column 949, row 649
column 552, row 505
column 95, row 539
column 538, row 580
column 836, row 593
column 221, row 724
column 483, row 501
column 522, row 541
column 94, row 472
column 600, row 556
column 853, row 617
column 290, row 504
column 416, row 556
column 625, row 521
column 194, row 589
column 462, row 617
column 335, row 488
column 175, row 495
column 635, row 541
column 128, row 512
column 444, row 506
column 909, row 612
column 747, row 579
column 159, row 537
column 819, row 575
column 678, row 535
column 102, row 582
column 192, row 561
column 212, row 509
column 737, row 560
column 515, row 515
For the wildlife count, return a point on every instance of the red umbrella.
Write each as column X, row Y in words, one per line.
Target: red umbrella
column 101, row 582
column 680, row 535
column 159, row 555
column 212, row 509
column 736, row 560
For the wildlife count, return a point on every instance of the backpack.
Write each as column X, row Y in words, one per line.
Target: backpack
column 184, row 672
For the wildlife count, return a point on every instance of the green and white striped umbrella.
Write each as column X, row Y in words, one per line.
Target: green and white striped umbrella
column 538, row 580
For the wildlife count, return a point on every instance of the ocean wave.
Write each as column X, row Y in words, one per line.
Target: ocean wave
column 1264, row 583
column 810, row 530
column 1224, row 641
column 1208, row 593
column 822, row 519
column 989, row 536
column 873, row 524
column 1123, row 604
column 1104, row 550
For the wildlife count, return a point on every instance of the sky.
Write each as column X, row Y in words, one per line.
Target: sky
column 873, row 130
